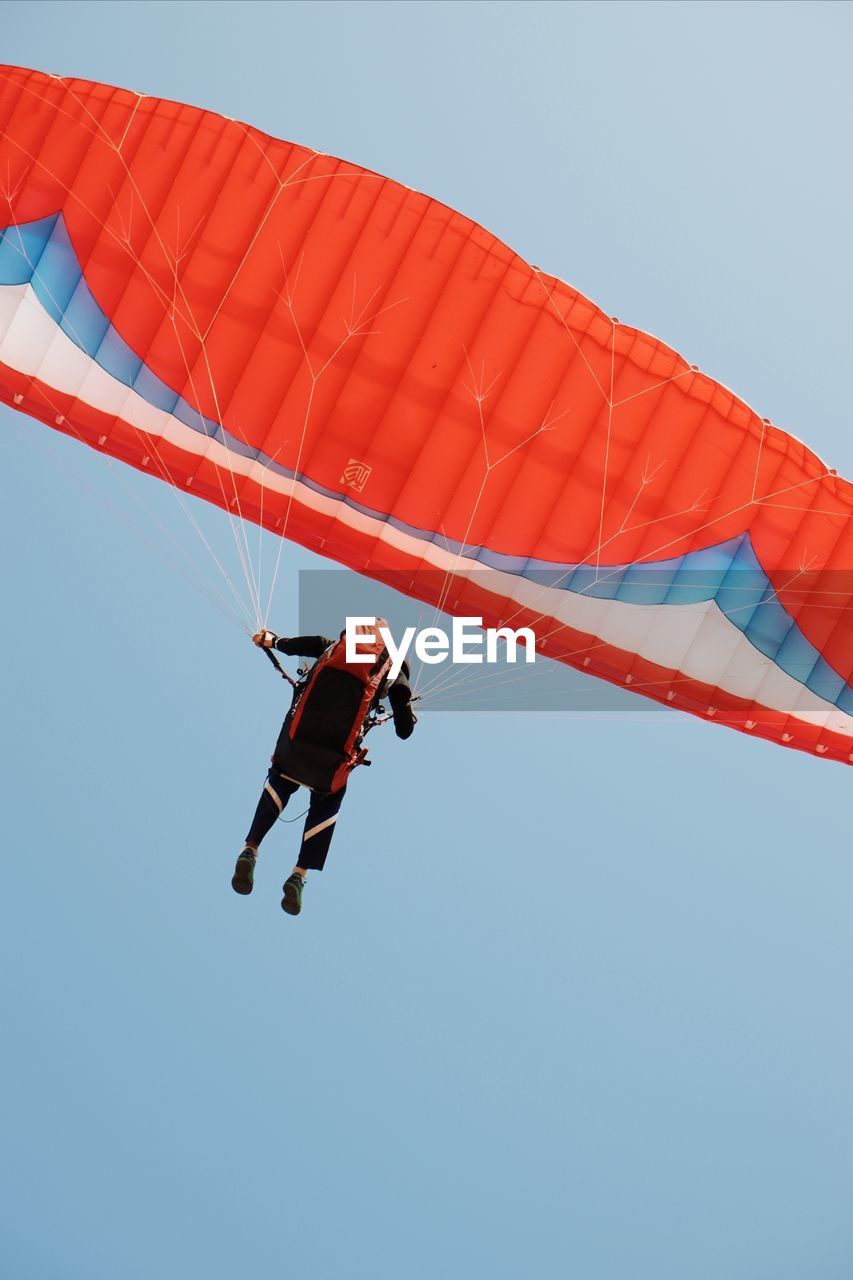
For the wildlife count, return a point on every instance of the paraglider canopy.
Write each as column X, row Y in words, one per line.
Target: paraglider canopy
column 350, row 364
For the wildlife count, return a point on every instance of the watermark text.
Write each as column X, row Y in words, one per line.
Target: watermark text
column 468, row 642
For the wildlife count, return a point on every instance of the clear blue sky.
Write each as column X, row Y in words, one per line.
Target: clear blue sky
column 573, row 995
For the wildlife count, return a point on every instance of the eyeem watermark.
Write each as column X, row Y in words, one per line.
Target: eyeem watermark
column 465, row 644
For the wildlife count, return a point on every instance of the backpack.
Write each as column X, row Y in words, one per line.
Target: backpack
column 321, row 739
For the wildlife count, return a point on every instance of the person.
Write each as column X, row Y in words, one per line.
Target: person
column 320, row 743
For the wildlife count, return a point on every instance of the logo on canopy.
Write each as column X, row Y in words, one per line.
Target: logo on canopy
column 356, row 474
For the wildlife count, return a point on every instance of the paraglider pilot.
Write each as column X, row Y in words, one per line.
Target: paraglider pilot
column 334, row 704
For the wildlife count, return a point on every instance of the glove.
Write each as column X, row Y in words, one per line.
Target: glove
column 265, row 639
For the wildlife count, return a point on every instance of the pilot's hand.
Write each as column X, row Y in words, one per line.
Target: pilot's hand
column 265, row 639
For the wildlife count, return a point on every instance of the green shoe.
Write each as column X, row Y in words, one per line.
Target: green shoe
column 292, row 900
column 243, row 879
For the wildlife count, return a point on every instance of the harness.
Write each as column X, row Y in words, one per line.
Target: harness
column 347, row 704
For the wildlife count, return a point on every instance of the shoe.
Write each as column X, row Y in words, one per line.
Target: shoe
column 292, row 900
column 243, row 879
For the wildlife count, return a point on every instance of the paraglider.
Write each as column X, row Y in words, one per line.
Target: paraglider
column 352, row 365
column 334, row 705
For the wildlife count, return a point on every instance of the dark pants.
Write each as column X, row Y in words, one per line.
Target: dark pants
column 319, row 822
